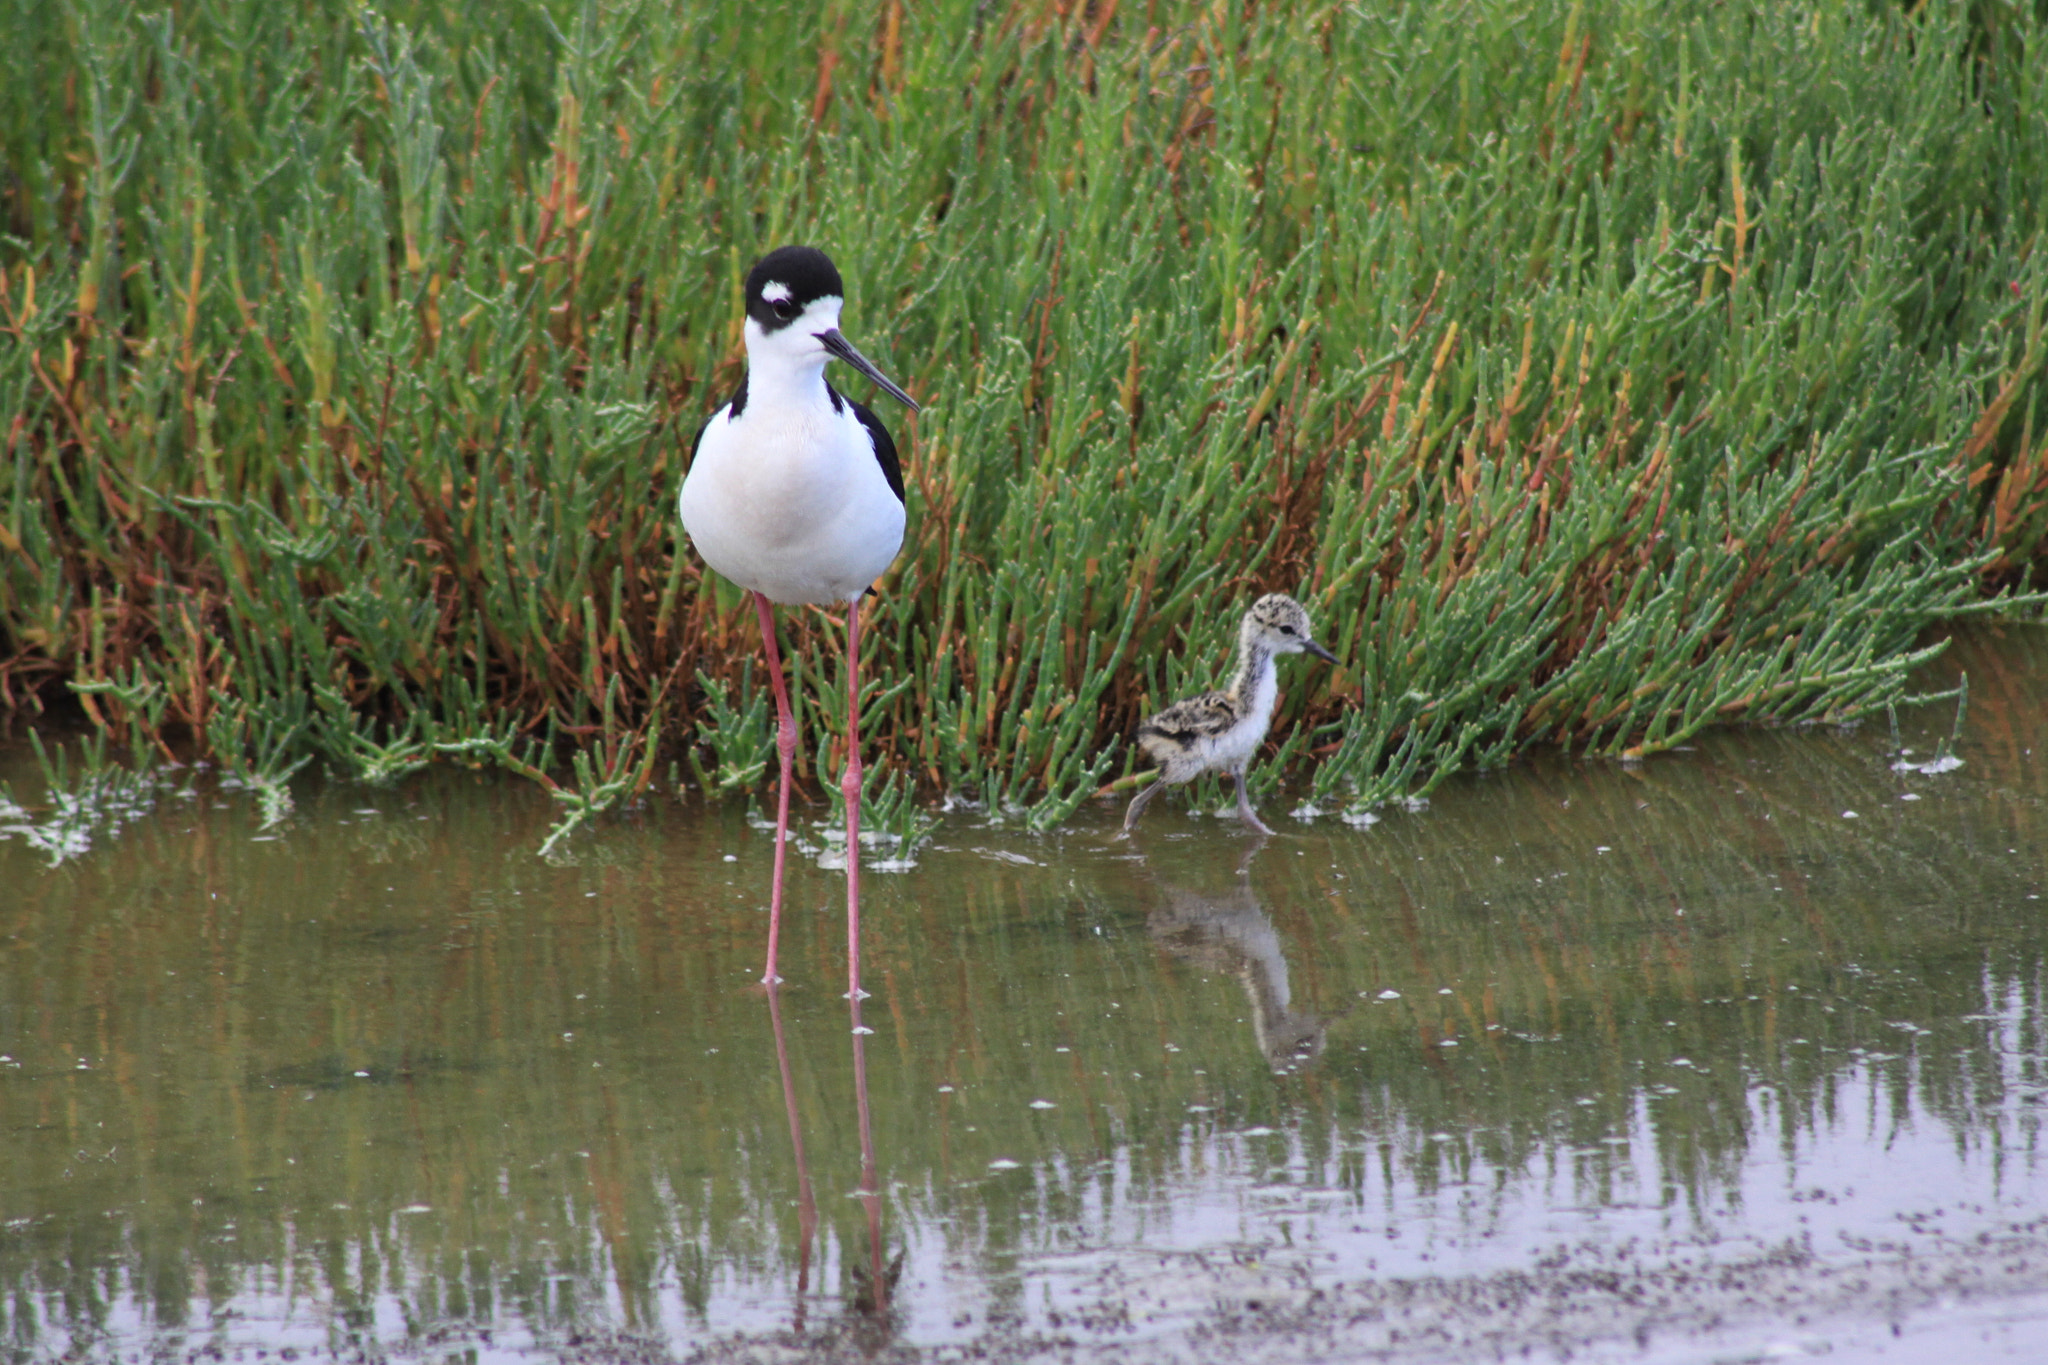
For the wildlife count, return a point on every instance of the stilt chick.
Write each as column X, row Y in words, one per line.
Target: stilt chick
column 1219, row 731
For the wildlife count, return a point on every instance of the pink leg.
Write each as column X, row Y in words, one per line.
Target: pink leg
column 849, row 784
column 785, row 745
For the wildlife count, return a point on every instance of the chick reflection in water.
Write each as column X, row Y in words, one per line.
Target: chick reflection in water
column 1225, row 929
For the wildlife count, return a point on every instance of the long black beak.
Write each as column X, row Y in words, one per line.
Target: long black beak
column 1325, row 655
column 841, row 347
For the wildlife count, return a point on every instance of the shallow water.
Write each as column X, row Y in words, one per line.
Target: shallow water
column 381, row 1081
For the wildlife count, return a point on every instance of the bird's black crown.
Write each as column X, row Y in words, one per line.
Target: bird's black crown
column 805, row 275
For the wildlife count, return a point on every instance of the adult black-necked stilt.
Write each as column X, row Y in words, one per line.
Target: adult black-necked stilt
column 795, row 494
column 1218, row 731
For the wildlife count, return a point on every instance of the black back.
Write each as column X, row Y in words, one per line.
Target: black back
column 885, row 446
column 738, row 406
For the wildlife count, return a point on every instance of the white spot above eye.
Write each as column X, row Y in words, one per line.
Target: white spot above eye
column 775, row 292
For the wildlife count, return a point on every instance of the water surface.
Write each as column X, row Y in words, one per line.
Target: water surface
column 379, row 1080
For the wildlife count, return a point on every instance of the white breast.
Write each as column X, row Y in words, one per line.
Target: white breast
column 1229, row 751
column 790, row 501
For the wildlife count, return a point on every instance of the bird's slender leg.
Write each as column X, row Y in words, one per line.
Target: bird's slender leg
column 785, row 745
column 1138, row 802
column 849, row 785
column 1244, row 806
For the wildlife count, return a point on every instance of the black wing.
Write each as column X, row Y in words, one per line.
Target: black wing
column 733, row 409
column 885, row 448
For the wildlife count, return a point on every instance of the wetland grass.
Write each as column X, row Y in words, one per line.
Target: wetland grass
column 1593, row 372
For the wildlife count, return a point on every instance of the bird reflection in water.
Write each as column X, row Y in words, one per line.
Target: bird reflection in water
column 806, row 1201
column 873, row 1283
column 1225, row 929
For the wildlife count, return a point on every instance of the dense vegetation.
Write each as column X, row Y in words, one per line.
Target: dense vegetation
column 1595, row 372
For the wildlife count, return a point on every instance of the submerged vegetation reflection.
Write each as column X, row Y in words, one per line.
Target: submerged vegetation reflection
column 377, row 1074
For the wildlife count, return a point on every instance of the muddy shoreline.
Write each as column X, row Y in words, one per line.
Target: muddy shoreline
column 1922, row 1298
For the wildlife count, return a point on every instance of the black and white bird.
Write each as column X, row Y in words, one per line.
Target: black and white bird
column 1219, row 731
column 795, row 494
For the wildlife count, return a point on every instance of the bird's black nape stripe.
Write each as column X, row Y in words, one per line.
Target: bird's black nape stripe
column 739, row 401
column 804, row 271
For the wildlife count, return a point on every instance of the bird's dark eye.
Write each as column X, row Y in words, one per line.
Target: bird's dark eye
column 1289, row 630
column 784, row 308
